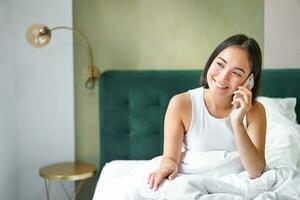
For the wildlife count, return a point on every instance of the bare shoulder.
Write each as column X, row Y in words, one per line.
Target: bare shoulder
column 257, row 113
column 181, row 105
column 181, row 101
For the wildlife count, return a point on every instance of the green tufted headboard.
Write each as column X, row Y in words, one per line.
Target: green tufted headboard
column 133, row 104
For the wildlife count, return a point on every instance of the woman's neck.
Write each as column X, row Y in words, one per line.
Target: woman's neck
column 218, row 107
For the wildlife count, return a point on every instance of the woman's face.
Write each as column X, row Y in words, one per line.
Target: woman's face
column 228, row 71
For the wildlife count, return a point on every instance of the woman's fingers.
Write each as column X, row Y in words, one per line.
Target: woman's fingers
column 149, row 177
column 245, row 97
column 239, row 93
column 155, row 178
column 158, row 178
column 247, row 92
column 245, row 89
column 151, row 180
column 243, row 93
column 238, row 103
column 173, row 175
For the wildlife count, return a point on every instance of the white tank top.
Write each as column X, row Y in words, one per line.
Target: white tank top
column 207, row 133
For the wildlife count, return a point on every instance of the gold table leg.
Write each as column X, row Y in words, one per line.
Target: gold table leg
column 67, row 193
column 47, row 186
column 78, row 189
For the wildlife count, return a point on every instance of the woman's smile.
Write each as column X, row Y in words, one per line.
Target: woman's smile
column 220, row 85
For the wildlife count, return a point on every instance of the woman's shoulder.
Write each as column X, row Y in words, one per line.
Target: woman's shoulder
column 257, row 112
column 258, row 107
column 181, row 99
column 181, row 104
column 184, row 97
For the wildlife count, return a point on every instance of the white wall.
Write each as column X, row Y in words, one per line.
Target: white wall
column 282, row 31
column 9, row 151
column 37, row 96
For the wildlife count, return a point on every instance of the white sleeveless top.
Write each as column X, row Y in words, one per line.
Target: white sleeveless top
column 207, row 133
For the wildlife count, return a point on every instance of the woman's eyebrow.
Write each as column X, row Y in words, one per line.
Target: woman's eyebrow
column 240, row 69
column 237, row 68
column 222, row 59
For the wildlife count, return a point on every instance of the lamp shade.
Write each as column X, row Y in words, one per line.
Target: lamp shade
column 38, row 35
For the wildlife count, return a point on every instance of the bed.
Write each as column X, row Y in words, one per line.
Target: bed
column 132, row 107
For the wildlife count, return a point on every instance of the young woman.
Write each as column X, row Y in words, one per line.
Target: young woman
column 221, row 115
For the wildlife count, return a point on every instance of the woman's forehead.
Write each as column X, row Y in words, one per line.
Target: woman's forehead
column 235, row 57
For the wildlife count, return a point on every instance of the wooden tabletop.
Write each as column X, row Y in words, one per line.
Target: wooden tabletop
column 68, row 171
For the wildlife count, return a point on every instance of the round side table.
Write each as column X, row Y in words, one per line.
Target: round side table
column 67, row 171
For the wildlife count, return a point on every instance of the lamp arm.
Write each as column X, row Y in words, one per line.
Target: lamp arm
column 83, row 38
column 90, row 82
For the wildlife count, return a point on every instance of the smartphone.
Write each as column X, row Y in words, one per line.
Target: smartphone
column 249, row 82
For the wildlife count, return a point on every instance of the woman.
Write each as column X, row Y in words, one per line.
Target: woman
column 222, row 114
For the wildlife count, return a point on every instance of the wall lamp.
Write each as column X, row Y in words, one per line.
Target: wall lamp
column 39, row 35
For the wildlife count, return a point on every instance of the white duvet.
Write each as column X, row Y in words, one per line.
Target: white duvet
column 220, row 180
column 213, row 175
column 214, row 181
column 216, row 174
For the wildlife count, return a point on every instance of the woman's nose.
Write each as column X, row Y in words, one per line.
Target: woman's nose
column 225, row 76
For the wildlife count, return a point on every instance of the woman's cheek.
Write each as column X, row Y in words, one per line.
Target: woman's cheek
column 235, row 84
column 212, row 73
column 209, row 76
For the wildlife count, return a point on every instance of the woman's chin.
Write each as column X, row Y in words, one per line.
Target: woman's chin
column 221, row 92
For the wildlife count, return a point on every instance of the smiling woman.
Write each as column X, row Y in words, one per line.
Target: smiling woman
column 221, row 115
column 241, row 55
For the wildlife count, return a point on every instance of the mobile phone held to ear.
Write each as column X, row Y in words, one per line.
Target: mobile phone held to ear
column 249, row 83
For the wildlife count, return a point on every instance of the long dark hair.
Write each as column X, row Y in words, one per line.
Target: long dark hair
column 254, row 55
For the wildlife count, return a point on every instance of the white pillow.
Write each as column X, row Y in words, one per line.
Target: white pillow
column 283, row 133
column 282, row 145
column 285, row 107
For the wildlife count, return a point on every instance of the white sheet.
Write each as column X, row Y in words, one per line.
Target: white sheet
column 114, row 181
column 126, row 180
column 218, row 182
column 214, row 175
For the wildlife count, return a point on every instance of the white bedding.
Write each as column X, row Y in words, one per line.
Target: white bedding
column 216, row 174
column 219, row 182
column 127, row 180
column 115, row 177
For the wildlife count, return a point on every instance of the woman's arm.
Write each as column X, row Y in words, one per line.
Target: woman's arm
column 174, row 129
column 250, row 142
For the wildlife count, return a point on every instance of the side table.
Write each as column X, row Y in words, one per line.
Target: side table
column 67, row 171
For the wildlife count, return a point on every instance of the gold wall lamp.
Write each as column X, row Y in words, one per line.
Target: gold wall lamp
column 39, row 35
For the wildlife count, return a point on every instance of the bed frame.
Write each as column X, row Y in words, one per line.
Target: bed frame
column 133, row 104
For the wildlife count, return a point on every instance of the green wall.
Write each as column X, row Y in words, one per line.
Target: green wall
column 149, row 34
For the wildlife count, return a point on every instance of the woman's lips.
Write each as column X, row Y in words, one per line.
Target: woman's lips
column 219, row 85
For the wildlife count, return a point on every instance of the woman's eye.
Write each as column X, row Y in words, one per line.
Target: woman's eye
column 237, row 74
column 220, row 64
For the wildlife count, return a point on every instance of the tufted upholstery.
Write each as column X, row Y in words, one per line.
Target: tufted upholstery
column 133, row 104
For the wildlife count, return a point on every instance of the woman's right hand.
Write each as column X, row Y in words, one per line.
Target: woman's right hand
column 168, row 169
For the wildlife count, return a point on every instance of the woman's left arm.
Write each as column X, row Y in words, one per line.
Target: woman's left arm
column 250, row 141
